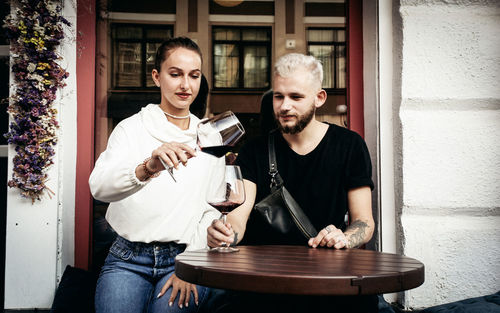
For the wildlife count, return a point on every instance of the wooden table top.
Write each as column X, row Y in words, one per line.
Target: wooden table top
column 301, row 270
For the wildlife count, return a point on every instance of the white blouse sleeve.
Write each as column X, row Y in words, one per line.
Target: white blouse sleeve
column 113, row 177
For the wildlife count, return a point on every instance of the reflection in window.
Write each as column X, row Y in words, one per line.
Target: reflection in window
column 134, row 50
column 328, row 46
column 255, row 66
column 128, row 64
column 226, row 66
column 150, row 61
column 241, row 57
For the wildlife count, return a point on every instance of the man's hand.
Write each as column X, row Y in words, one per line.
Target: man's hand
column 219, row 234
column 182, row 287
column 330, row 236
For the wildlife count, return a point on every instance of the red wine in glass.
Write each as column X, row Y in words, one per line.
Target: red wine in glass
column 226, row 194
column 225, row 207
column 218, row 135
column 217, row 151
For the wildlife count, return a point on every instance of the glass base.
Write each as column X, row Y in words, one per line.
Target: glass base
column 225, row 249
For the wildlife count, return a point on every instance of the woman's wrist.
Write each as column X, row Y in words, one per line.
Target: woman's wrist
column 149, row 173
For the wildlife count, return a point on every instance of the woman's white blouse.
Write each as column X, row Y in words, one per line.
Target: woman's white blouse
column 157, row 209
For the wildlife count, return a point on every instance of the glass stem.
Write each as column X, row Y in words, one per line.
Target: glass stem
column 223, row 217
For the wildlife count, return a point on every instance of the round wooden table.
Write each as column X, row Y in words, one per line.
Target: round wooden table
column 301, row 270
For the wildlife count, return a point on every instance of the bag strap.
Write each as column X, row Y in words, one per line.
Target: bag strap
column 298, row 216
column 276, row 180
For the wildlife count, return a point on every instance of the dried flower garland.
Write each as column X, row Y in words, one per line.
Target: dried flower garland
column 35, row 30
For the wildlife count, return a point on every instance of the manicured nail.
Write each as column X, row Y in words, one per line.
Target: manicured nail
column 159, row 295
column 187, row 304
column 170, row 303
column 180, row 306
column 196, row 302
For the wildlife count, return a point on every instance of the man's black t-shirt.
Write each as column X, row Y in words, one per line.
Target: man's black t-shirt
column 318, row 181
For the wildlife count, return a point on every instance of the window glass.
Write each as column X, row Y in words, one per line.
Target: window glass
column 341, row 69
column 255, row 67
column 158, row 33
column 150, row 62
column 328, row 46
column 4, row 11
column 340, row 35
column 321, row 35
column 241, row 63
column 134, row 51
column 325, row 55
column 128, row 32
column 226, row 34
column 128, row 64
column 255, row 34
column 226, row 66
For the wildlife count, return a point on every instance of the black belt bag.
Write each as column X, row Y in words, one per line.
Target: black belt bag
column 279, row 210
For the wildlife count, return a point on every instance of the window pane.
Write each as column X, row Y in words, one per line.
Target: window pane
column 256, row 34
column 128, row 32
column 255, row 67
column 340, row 36
column 4, row 11
column 158, row 33
column 325, row 55
column 226, row 66
column 128, row 64
column 340, row 58
column 226, row 34
column 150, row 62
column 320, row 35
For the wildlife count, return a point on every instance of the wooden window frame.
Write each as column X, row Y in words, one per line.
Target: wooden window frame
column 143, row 41
column 335, row 44
column 241, row 44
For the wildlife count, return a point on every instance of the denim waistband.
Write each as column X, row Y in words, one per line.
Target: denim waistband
column 159, row 247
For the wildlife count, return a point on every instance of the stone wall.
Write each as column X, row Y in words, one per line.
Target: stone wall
column 449, row 163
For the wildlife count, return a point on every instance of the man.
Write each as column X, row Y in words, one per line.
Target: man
column 325, row 167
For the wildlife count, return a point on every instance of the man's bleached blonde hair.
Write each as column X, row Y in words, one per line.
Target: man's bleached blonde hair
column 288, row 63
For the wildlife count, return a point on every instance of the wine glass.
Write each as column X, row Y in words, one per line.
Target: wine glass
column 227, row 194
column 216, row 136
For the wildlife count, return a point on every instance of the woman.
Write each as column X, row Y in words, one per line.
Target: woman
column 155, row 217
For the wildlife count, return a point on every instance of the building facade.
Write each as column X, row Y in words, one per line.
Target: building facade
column 418, row 78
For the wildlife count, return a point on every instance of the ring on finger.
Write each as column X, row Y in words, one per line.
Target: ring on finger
column 328, row 229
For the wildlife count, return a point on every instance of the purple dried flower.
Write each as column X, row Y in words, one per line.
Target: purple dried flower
column 31, row 107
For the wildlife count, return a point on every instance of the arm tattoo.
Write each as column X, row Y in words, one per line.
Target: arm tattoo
column 356, row 233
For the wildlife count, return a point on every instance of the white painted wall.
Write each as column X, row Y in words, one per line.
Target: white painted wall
column 40, row 236
column 449, row 112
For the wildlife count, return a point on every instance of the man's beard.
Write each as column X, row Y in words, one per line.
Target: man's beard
column 302, row 122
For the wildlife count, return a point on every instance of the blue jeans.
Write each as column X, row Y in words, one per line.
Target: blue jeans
column 134, row 274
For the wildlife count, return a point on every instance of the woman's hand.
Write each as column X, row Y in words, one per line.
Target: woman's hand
column 182, row 288
column 330, row 236
column 172, row 153
column 219, row 234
